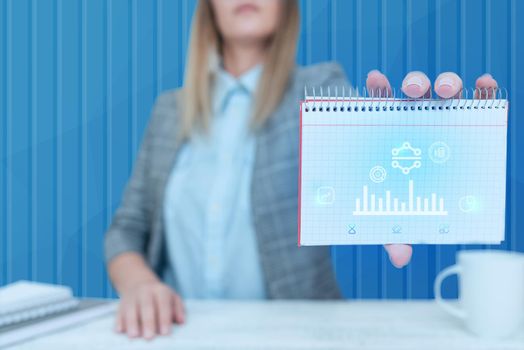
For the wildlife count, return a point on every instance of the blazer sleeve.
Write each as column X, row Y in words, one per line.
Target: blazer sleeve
column 335, row 77
column 326, row 75
column 131, row 224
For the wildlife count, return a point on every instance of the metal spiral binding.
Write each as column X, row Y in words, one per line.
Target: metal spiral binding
column 346, row 98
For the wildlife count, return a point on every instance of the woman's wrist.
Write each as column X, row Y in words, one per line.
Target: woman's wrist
column 136, row 280
column 129, row 271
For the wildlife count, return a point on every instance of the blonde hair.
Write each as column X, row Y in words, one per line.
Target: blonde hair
column 204, row 47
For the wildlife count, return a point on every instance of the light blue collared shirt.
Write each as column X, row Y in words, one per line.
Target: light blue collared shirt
column 210, row 236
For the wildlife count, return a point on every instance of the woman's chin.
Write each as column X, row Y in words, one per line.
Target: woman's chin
column 248, row 37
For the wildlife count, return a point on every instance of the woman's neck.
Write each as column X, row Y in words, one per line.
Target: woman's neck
column 238, row 59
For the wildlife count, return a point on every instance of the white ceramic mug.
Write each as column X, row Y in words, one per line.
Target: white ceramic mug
column 491, row 287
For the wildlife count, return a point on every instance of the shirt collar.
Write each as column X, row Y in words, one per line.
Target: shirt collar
column 249, row 80
column 225, row 84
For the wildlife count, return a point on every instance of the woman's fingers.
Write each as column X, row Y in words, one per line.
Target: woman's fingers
column 147, row 315
column 119, row 322
column 164, row 305
column 448, row 85
column 416, row 84
column 178, row 309
column 485, row 86
column 377, row 84
column 149, row 310
column 399, row 254
column 130, row 318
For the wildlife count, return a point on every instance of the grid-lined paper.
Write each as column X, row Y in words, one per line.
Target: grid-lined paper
column 412, row 172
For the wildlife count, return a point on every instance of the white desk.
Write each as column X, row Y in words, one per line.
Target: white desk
column 291, row 325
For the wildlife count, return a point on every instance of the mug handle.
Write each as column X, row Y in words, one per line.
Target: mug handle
column 448, row 271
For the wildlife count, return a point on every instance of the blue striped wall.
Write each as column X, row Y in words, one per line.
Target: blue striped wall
column 78, row 79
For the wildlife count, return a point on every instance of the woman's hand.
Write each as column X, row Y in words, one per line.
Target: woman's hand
column 418, row 85
column 147, row 307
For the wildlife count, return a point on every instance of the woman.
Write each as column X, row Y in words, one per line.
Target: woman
column 211, row 208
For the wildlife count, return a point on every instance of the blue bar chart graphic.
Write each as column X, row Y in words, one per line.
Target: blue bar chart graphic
column 372, row 205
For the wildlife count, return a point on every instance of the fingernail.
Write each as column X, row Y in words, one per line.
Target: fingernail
column 132, row 332
column 165, row 330
column 445, row 81
column 486, row 75
column 148, row 334
column 374, row 71
column 414, row 80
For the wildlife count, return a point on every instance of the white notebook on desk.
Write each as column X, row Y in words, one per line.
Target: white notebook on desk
column 376, row 171
column 24, row 300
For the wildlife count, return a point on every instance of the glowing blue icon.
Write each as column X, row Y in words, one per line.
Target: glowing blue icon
column 468, row 204
column 406, row 158
column 325, row 195
column 439, row 152
column 396, row 229
column 377, row 174
column 443, row 229
column 352, row 230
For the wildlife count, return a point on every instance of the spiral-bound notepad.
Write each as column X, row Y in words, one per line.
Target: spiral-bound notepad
column 376, row 171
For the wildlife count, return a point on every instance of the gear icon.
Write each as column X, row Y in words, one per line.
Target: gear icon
column 406, row 158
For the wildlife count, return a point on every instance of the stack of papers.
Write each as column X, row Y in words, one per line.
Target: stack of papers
column 24, row 300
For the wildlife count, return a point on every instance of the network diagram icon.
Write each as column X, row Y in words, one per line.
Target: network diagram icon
column 406, row 158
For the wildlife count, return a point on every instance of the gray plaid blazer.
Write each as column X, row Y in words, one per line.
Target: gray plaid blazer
column 289, row 271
